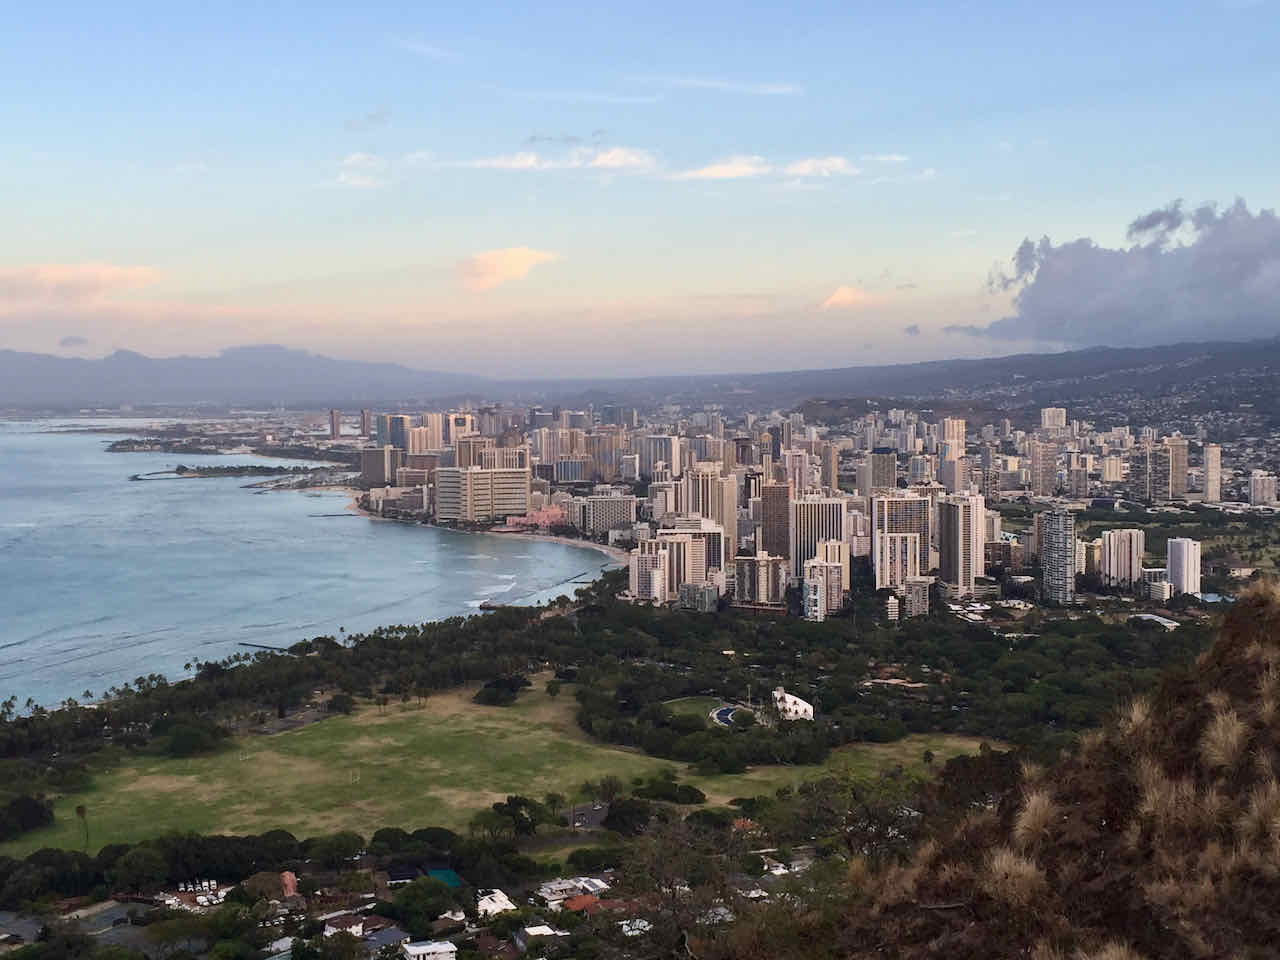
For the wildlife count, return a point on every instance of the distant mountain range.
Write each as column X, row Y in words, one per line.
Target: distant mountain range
column 265, row 376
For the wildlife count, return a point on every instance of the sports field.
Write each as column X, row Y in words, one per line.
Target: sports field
column 404, row 765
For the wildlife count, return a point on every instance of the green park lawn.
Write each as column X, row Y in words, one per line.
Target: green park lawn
column 404, row 765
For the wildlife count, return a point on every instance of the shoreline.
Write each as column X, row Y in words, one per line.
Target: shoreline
column 615, row 555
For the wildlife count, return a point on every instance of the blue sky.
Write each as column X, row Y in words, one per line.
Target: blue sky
column 570, row 189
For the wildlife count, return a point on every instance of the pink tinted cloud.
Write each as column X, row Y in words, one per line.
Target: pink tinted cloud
column 492, row 268
column 50, row 284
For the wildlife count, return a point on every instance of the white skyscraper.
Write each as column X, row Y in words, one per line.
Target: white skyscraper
column 961, row 541
column 1184, row 565
column 1212, row 473
column 1053, row 418
column 899, row 524
column 1122, row 552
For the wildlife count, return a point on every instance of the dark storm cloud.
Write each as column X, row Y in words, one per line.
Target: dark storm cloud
column 1211, row 273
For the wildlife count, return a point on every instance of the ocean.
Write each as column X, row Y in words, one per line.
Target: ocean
column 103, row 579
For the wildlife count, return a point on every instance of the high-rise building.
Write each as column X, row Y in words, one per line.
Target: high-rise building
column 474, row 494
column 1044, row 468
column 467, row 451
column 382, row 429
column 951, row 435
column 898, row 524
column 760, row 578
column 830, row 459
column 1078, row 485
column 366, row 423
column 915, row 596
column 1122, row 553
column 812, row 519
column 838, row 551
column 715, row 553
column 614, row 512
column 1112, row 469
column 378, row 465
column 335, row 424
column 434, row 424
column 1212, row 473
column 775, row 519
column 821, row 592
column 1058, row 557
column 715, row 497
column 660, row 449
column 882, row 466
column 1262, row 488
column 398, row 427
column 1171, row 469
column 956, row 474
column 961, row 541
column 1052, row 418
column 1184, row 565
column 649, row 569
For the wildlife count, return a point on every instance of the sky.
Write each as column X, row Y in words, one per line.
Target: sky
column 619, row 189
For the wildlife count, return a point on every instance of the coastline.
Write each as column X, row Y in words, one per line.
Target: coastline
column 615, row 555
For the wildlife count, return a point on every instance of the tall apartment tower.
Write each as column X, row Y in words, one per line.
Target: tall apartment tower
column 884, row 469
column 1052, row 418
column 366, row 423
column 1058, row 557
column 813, row 519
column 1212, row 473
column 899, row 526
column 1184, row 565
column 1122, row 552
column 962, row 541
column 335, row 424
column 433, row 423
column 1171, row 469
column 951, row 434
column 1044, row 468
column 775, row 519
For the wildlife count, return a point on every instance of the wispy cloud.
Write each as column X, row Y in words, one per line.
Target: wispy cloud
column 821, row 167
column 919, row 176
column 584, row 96
column 734, row 168
column 52, row 284
column 729, row 86
column 361, row 170
column 607, row 158
column 425, row 49
column 887, row 159
column 846, row 298
column 492, row 268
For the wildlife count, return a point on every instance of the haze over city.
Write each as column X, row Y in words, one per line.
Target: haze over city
column 720, row 188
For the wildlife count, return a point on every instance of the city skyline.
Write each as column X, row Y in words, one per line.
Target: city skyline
column 492, row 192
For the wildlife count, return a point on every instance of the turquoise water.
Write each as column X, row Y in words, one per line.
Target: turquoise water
column 103, row 579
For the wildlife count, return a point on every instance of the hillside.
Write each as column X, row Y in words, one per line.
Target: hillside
column 273, row 375
column 1159, row 837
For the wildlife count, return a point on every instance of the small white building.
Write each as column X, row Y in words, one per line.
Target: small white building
column 490, row 903
column 429, row 950
column 791, row 707
column 344, row 923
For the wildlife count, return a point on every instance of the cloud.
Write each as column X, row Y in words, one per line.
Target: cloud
column 491, row 268
column 57, row 284
column 1219, row 277
column 735, row 168
column 565, row 139
column 920, row 176
column 846, row 298
column 623, row 158
column 66, row 342
column 609, row 158
column 360, row 170
column 912, row 330
column 428, row 50
column 731, row 86
column 584, row 96
column 821, row 167
column 887, row 159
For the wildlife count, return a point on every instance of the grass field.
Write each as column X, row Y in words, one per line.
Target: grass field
column 402, row 766
column 694, row 706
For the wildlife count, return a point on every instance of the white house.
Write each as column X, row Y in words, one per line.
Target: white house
column 429, row 950
column 344, row 923
column 490, row 903
column 791, row 707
